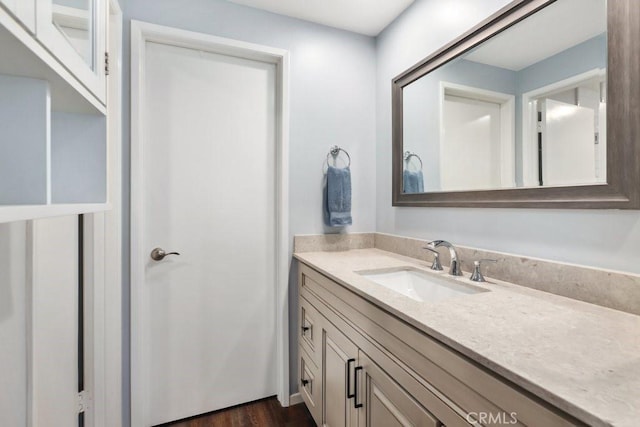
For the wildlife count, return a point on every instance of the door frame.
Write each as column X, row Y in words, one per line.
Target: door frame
column 141, row 33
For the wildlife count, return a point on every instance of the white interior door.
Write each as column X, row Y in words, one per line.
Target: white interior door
column 471, row 144
column 568, row 144
column 208, row 315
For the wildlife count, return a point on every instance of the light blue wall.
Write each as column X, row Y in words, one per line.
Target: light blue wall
column 24, row 118
column 600, row 238
column 578, row 59
column 78, row 158
column 332, row 102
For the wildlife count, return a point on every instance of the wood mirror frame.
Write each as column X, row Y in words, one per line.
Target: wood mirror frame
column 622, row 190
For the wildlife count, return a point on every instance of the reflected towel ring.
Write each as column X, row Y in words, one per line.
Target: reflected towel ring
column 408, row 155
column 334, row 151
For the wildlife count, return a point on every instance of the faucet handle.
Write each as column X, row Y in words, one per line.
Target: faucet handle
column 436, row 259
column 477, row 276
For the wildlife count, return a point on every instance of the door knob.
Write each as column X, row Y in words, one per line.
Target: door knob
column 158, row 254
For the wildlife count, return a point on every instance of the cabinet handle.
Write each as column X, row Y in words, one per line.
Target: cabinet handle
column 355, row 387
column 305, row 329
column 304, row 382
column 349, row 394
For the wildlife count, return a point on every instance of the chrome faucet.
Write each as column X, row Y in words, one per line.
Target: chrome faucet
column 454, row 268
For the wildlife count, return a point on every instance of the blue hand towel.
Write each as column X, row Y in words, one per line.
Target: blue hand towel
column 338, row 197
column 412, row 182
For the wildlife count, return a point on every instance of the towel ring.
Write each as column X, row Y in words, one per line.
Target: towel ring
column 334, row 151
column 408, row 155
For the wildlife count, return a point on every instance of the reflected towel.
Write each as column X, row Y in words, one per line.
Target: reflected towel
column 412, row 182
column 338, row 197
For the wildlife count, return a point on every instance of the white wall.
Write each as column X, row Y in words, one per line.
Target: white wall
column 332, row 102
column 607, row 239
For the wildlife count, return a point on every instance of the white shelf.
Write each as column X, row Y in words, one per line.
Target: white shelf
column 27, row 212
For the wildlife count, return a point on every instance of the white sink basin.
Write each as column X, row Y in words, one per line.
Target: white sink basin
column 418, row 285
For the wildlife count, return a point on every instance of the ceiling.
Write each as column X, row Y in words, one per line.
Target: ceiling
column 367, row 17
column 552, row 30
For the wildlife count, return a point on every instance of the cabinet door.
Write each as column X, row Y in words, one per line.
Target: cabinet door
column 53, row 321
column 339, row 360
column 385, row 403
column 24, row 10
column 75, row 32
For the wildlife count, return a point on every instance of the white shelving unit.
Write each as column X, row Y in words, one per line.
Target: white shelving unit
column 53, row 129
column 60, row 156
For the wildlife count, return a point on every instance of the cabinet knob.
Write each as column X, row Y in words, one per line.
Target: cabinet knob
column 305, row 382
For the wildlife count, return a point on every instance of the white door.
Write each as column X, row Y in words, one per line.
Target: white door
column 208, row 184
column 568, row 144
column 471, row 145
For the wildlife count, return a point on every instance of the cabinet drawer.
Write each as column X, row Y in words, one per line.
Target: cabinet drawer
column 310, row 385
column 310, row 334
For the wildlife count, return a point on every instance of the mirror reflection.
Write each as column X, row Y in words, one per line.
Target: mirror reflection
column 74, row 19
column 526, row 108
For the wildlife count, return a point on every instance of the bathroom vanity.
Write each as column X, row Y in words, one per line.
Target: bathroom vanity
column 484, row 354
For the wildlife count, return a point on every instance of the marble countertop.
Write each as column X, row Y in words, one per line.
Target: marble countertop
column 580, row 357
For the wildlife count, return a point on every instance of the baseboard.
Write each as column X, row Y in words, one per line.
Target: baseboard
column 295, row 399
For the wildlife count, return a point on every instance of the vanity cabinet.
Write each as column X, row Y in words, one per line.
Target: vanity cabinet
column 76, row 34
column 344, row 387
column 363, row 366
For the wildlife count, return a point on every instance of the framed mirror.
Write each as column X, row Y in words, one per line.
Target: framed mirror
column 538, row 107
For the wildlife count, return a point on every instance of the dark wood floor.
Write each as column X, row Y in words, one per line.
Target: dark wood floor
column 261, row 413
